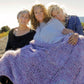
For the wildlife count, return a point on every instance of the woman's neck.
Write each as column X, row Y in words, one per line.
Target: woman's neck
column 22, row 28
column 41, row 21
column 63, row 19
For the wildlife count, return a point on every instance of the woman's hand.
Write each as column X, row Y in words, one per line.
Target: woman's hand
column 67, row 31
column 73, row 39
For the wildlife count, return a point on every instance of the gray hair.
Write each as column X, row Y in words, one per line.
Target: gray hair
column 22, row 12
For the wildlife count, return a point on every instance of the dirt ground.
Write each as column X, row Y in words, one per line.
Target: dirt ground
column 3, row 42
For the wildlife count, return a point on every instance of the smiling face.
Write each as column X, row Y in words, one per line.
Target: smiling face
column 58, row 15
column 39, row 15
column 23, row 18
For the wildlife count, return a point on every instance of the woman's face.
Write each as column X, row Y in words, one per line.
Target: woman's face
column 23, row 19
column 58, row 15
column 39, row 15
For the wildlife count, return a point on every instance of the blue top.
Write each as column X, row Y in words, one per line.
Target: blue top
column 50, row 32
column 73, row 23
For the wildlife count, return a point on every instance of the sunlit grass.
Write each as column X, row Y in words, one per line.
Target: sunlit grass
column 82, row 24
column 3, row 34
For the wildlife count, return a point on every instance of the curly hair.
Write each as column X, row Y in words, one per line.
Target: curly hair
column 34, row 22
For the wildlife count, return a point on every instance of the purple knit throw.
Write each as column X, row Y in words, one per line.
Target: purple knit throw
column 42, row 63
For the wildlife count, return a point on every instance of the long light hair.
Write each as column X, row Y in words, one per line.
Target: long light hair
column 54, row 7
column 34, row 21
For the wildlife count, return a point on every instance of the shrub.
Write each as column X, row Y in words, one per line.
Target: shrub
column 5, row 29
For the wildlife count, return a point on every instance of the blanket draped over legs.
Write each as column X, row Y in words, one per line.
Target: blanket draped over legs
column 42, row 63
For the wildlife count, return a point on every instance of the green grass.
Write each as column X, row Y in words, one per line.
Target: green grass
column 4, row 34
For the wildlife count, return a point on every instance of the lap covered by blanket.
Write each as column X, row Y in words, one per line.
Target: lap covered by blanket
column 42, row 63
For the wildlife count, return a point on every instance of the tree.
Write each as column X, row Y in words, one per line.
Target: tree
column 5, row 29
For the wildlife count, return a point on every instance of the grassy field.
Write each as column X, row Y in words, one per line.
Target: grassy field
column 3, row 34
column 3, row 42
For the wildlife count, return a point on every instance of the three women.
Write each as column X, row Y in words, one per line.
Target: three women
column 49, row 59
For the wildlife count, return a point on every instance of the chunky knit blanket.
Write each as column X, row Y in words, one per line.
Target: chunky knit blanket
column 42, row 63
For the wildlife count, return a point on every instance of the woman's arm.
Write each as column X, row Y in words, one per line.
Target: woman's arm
column 67, row 31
